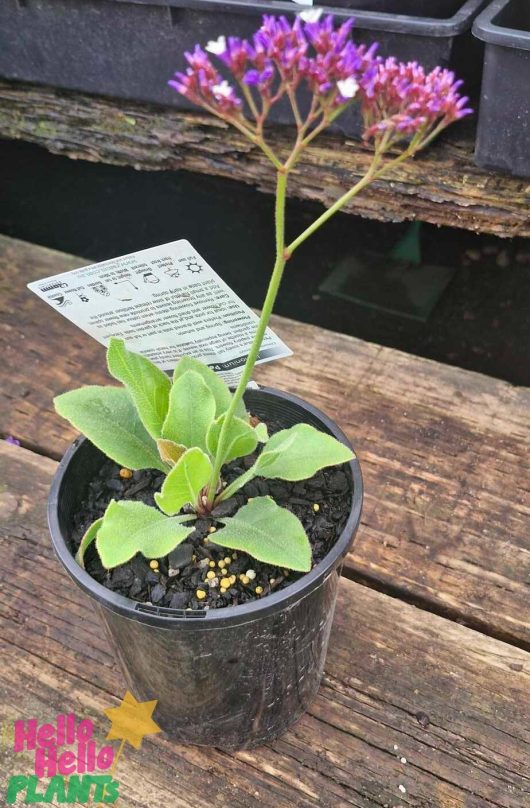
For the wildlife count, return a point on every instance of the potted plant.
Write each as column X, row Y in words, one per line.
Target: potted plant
column 214, row 532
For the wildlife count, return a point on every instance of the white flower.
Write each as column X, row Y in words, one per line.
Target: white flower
column 222, row 90
column 348, row 87
column 216, row 46
column 311, row 15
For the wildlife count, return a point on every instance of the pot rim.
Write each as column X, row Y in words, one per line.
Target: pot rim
column 458, row 22
column 165, row 617
column 487, row 28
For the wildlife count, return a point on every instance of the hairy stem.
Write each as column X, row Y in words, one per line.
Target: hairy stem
column 272, row 291
column 238, row 483
column 283, row 253
column 372, row 174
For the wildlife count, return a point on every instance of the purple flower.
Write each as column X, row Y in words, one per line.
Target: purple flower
column 262, row 79
column 323, row 36
column 203, row 85
column 13, row 441
column 280, row 46
column 401, row 99
column 233, row 52
column 335, row 72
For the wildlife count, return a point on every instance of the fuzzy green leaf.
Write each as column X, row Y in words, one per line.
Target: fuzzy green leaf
column 148, row 386
column 132, row 527
column 241, row 438
column 87, row 540
column 109, row 419
column 262, row 433
column 268, row 533
column 299, row 452
column 170, row 451
column 184, row 482
column 191, row 411
column 215, row 384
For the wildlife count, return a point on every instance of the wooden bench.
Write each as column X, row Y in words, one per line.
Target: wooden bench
column 425, row 699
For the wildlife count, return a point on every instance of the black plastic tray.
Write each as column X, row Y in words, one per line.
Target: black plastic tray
column 503, row 137
column 130, row 48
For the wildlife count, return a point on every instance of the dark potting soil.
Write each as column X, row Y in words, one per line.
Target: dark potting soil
column 322, row 503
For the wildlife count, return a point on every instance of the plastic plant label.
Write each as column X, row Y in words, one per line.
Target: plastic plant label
column 165, row 302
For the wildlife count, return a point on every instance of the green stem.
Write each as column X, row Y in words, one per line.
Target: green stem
column 282, row 255
column 372, row 174
column 272, row 291
column 238, row 483
column 255, row 138
column 247, row 92
column 332, row 210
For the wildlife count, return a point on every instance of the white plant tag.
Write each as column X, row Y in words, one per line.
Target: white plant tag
column 165, row 302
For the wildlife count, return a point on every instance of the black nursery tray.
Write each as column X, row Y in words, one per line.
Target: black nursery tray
column 130, row 48
column 503, row 138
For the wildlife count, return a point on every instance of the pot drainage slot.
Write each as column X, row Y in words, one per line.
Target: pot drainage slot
column 163, row 611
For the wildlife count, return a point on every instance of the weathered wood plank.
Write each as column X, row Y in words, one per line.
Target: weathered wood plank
column 444, row 452
column 409, row 699
column 442, row 186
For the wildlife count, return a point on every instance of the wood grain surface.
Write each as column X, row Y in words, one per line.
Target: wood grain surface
column 441, row 186
column 444, row 452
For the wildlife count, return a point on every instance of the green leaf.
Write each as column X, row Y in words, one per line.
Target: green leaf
column 148, row 386
column 268, row 533
column 109, row 419
column 262, row 433
column 299, row 452
column 87, row 540
column 191, row 411
column 184, row 482
column 170, row 451
column 132, row 527
column 241, row 438
column 215, row 384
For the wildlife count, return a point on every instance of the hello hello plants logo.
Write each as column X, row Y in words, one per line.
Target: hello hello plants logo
column 68, row 765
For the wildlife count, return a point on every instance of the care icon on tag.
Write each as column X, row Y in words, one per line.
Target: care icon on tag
column 193, row 266
column 100, row 288
column 150, row 277
column 173, row 272
column 60, row 300
column 124, row 290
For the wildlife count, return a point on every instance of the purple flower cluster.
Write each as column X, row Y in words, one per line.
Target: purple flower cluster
column 339, row 67
column 279, row 56
column 402, row 99
column 203, row 85
column 395, row 97
column 278, row 51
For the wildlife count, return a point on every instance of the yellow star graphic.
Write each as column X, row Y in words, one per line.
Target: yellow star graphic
column 132, row 720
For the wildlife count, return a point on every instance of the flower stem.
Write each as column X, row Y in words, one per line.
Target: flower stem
column 283, row 253
column 272, row 291
column 332, row 210
column 372, row 174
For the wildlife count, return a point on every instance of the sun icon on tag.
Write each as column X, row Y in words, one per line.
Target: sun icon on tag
column 193, row 266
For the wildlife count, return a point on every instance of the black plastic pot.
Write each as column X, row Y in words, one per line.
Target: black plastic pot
column 503, row 137
column 130, row 48
column 233, row 677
